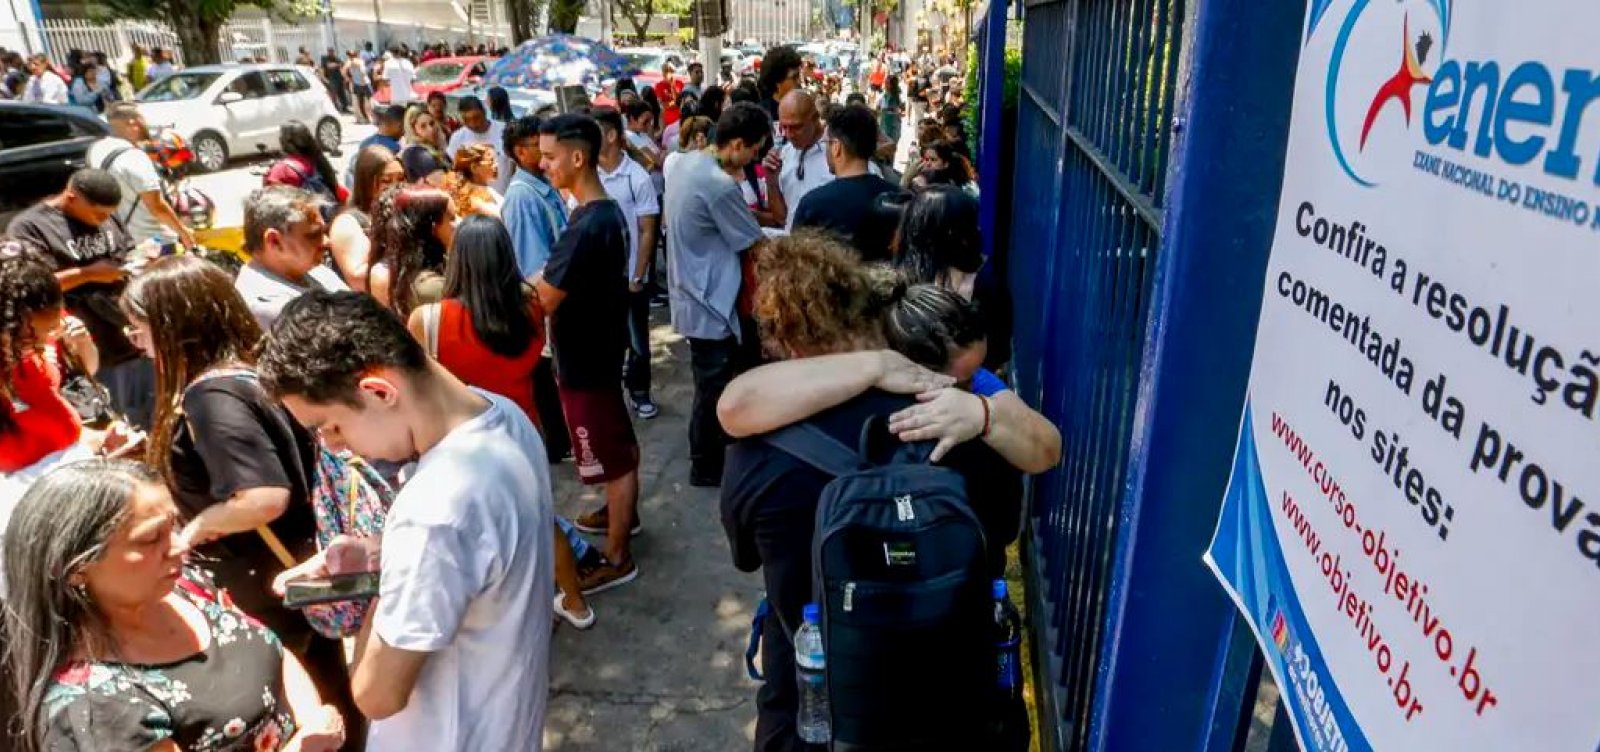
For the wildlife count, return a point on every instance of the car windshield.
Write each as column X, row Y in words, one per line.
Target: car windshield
column 644, row 61
column 439, row 73
column 178, row 87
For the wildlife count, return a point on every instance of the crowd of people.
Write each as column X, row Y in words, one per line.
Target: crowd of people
column 88, row 79
column 411, row 350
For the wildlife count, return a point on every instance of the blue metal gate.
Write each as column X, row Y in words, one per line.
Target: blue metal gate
column 1149, row 145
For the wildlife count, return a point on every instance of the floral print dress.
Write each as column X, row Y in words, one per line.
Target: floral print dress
column 228, row 697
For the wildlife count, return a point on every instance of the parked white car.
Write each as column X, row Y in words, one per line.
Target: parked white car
column 228, row 110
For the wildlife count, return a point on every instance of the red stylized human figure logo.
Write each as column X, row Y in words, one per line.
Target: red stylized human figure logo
column 1408, row 77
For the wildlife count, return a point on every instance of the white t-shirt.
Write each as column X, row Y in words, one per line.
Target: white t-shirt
column 495, row 138
column 468, row 578
column 399, row 72
column 633, row 190
column 136, row 174
column 45, row 88
column 158, row 71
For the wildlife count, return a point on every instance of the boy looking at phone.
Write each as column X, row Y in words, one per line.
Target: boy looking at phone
column 454, row 654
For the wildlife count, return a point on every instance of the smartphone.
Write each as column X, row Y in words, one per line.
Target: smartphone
column 351, row 586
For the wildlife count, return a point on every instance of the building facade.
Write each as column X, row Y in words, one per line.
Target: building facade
column 774, row 21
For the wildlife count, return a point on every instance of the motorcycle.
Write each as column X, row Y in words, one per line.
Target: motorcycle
column 174, row 160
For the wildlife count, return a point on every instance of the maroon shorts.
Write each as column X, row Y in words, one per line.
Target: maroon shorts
column 603, row 443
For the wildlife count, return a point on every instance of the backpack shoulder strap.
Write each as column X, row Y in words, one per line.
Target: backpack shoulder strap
column 105, row 164
column 430, row 328
column 813, row 446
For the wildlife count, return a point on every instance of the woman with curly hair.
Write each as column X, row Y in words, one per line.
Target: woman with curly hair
column 816, row 298
column 412, row 227
column 471, row 182
column 37, row 425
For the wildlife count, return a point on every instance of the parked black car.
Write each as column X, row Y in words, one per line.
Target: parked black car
column 40, row 147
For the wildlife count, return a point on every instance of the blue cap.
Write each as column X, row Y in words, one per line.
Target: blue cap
column 813, row 613
column 999, row 589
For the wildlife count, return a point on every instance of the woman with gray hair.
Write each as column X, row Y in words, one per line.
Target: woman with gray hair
column 112, row 643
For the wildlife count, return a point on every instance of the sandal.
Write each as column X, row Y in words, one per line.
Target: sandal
column 579, row 623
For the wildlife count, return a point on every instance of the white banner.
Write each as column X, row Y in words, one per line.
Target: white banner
column 1413, row 522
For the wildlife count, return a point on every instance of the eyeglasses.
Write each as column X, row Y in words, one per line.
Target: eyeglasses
column 800, row 171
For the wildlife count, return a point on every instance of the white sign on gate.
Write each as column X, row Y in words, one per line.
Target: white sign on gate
column 1413, row 522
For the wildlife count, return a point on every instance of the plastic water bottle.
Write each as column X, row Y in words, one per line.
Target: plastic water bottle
column 816, row 723
column 1008, row 645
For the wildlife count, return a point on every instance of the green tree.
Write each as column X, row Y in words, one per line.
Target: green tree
column 198, row 23
column 564, row 15
column 638, row 12
column 523, row 14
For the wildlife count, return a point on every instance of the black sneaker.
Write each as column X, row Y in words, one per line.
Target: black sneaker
column 644, row 406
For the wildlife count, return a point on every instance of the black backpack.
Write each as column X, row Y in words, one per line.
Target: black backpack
column 898, row 568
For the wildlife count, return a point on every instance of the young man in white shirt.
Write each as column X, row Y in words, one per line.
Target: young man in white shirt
column 455, row 651
column 632, row 188
column 45, row 86
column 477, row 128
column 399, row 72
column 144, row 209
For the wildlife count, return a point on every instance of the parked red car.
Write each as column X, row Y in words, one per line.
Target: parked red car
column 445, row 74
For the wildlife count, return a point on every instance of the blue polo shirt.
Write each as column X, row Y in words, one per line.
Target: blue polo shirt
column 535, row 216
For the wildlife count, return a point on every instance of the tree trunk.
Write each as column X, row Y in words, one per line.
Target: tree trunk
column 197, row 35
column 639, row 13
column 564, row 15
column 520, row 14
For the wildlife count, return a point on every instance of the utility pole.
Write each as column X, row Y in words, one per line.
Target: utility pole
column 710, row 21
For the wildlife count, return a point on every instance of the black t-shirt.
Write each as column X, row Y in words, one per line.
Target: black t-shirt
column 589, row 263
column 845, row 207
column 333, row 69
column 233, row 437
column 769, row 500
column 71, row 245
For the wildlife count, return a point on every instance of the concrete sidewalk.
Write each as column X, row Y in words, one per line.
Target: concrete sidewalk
column 663, row 667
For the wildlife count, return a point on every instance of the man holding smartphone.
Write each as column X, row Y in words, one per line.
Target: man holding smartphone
column 455, row 651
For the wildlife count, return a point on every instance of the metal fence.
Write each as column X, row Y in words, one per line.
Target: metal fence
column 1148, row 157
column 1102, row 73
column 245, row 38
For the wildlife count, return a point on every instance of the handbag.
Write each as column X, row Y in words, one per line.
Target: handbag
column 89, row 398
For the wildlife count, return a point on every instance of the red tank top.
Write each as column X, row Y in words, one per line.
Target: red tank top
column 43, row 422
column 463, row 354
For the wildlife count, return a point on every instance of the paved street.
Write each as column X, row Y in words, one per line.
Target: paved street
column 228, row 188
column 663, row 668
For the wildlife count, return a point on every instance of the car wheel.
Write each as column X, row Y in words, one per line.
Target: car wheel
column 210, row 151
column 328, row 134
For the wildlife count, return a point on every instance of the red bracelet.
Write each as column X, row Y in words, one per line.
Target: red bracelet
column 984, row 434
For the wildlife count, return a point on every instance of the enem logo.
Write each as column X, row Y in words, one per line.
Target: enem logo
column 1502, row 112
column 1413, row 45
